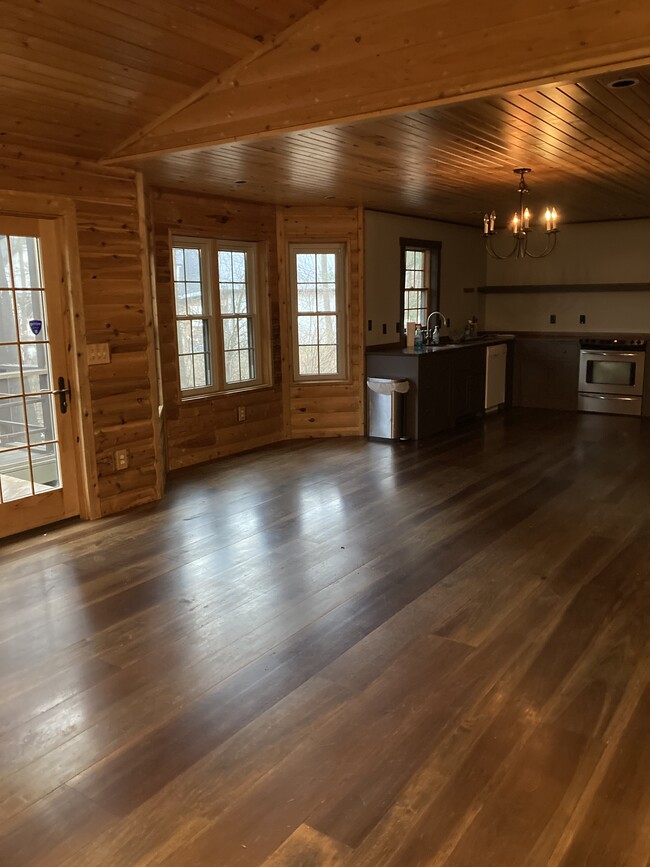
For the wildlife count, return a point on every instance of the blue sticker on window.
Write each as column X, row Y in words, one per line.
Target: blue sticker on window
column 36, row 325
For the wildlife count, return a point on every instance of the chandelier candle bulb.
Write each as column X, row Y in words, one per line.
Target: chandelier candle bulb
column 515, row 224
column 554, row 219
column 493, row 220
column 486, row 224
column 526, row 219
column 548, row 220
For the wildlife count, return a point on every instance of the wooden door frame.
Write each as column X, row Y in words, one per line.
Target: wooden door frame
column 147, row 258
column 63, row 212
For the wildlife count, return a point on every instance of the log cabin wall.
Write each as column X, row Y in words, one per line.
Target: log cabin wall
column 204, row 428
column 110, row 259
column 328, row 408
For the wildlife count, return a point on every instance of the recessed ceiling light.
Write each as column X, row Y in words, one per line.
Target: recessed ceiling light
column 620, row 83
column 329, row 197
column 239, row 183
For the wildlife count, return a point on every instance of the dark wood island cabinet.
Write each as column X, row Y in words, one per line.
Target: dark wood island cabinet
column 447, row 384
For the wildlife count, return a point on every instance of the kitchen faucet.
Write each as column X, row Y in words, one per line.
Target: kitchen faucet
column 433, row 337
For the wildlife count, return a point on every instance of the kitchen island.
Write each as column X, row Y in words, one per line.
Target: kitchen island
column 447, row 382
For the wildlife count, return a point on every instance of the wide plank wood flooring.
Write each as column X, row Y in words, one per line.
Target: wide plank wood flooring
column 342, row 654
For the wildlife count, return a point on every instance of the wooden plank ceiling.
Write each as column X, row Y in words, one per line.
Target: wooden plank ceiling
column 368, row 58
column 83, row 78
column 80, row 77
column 588, row 145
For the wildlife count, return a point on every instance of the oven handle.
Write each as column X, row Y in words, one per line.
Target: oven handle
column 608, row 396
column 610, row 353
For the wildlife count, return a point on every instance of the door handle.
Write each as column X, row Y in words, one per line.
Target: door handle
column 64, row 395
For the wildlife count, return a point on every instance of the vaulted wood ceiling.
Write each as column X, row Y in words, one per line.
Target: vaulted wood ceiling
column 84, row 78
column 79, row 77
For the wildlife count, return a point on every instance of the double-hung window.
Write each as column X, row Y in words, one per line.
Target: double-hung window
column 318, row 287
column 218, row 315
column 420, row 279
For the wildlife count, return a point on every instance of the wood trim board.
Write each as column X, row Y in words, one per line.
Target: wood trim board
column 564, row 287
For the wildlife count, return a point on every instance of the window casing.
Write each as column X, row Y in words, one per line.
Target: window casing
column 219, row 316
column 319, row 302
column 420, row 279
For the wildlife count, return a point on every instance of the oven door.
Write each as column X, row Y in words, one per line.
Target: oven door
column 610, row 372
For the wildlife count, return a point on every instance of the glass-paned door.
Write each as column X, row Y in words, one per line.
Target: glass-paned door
column 37, row 460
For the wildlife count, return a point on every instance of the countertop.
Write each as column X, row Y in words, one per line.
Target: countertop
column 485, row 340
column 577, row 335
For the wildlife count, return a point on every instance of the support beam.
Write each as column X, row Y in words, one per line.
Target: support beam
column 353, row 60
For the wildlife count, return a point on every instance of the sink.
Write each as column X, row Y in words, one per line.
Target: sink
column 444, row 341
column 461, row 341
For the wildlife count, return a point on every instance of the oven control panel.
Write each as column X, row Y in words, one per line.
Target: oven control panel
column 622, row 343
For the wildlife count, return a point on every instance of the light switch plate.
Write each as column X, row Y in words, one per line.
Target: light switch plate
column 98, row 353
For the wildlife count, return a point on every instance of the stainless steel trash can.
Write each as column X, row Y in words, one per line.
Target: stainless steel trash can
column 386, row 407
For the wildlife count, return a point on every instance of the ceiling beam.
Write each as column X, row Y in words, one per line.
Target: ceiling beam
column 354, row 59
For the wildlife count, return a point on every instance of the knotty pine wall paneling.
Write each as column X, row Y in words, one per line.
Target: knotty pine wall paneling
column 326, row 409
column 110, row 267
column 204, row 428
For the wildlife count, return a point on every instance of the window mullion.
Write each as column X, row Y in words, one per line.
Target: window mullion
column 341, row 305
column 218, row 367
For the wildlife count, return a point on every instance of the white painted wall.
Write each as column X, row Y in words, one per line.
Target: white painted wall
column 616, row 252
column 462, row 266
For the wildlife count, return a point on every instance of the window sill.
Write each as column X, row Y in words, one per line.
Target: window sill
column 340, row 380
column 211, row 395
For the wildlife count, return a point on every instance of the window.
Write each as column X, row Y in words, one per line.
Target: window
column 318, row 291
column 218, row 319
column 420, row 279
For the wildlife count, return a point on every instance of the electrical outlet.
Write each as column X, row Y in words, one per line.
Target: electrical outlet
column 98, row 353
column 241, row 413
column 121, row 459
column 384, row 328
column 583, row 319
column 552, row 319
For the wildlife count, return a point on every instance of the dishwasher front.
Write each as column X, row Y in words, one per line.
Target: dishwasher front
column 495, row 376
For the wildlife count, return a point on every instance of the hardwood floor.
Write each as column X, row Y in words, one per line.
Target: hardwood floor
column 342, row 654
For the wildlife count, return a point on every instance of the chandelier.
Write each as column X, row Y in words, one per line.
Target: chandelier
column 521, row 227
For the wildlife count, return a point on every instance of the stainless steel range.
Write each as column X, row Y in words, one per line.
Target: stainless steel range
column 611, row 375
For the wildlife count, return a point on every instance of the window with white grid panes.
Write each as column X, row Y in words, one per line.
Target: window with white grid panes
column 318, row 289
column 420, row 264
column 218, row 318
column 29, row 445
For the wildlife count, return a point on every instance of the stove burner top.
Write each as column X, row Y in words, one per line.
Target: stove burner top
column 625, row 344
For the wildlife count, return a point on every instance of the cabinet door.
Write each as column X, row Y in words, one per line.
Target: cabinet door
column 435, row 395
column 468, row 381
column 546, row 373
